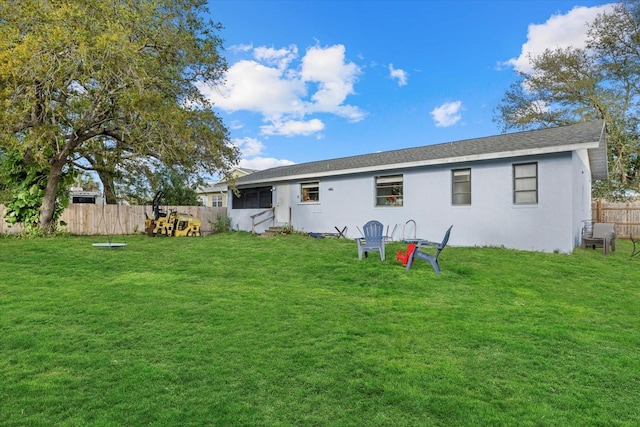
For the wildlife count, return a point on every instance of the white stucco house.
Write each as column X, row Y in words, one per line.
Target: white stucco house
column 526, row 190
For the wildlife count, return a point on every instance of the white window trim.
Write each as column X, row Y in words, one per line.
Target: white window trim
column 217, row 197
column 390, row 200
column 515, row 180
column 460, row 172
column 309, row 185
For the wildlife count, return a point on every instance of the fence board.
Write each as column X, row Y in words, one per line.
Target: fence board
column 91, row 220
column 626, row 216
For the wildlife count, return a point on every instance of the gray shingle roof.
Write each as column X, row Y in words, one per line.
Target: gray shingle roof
column 565, row 138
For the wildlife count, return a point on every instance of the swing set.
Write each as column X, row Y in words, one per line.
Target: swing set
column 109, row 233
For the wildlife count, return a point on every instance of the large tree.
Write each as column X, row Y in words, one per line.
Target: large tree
column 105, row 84
column 600, row 81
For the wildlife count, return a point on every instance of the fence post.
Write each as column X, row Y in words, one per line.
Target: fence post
column 599, row 211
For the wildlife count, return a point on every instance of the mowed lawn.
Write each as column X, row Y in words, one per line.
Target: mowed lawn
column 236, row 330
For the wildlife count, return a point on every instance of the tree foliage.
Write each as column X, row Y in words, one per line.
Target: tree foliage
column 28, row 181
column 178, row 186
column 601, row 81
column 102, row 86
column 178, row 190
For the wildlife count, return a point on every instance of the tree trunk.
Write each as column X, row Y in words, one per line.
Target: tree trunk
column 48, row 208
column 108, row 188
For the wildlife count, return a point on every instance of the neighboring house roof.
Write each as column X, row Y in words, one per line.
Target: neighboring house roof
column 244, row 171
column 589, row 135
column 221, row 186
column 216, row 187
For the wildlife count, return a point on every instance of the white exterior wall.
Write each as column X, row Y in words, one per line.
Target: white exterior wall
column 553, row 224
column 581, row 193
column 241, row 218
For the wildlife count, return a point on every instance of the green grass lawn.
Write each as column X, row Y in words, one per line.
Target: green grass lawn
column 233, row 329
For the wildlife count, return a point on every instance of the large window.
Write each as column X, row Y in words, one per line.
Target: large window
column 525, row 183
column 389, row 190
column 310, row 192
column 461, row 187
column 216, row 200
column 253, row 198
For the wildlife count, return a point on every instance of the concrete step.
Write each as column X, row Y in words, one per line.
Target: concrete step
column 271, row 231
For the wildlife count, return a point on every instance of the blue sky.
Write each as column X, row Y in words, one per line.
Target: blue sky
column 318, row 79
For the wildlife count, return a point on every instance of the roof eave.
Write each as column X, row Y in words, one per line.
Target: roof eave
column 431, row 162
column 598, row 157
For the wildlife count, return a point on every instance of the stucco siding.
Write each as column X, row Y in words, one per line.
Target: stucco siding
column 567, row 157
column 492, row 218
column 241, row 218
column 581, row 193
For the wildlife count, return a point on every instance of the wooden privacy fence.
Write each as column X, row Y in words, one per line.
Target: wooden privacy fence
column 626, row 216
column 87, row 219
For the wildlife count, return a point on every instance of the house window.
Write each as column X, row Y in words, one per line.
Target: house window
column 216, row 200
column 389, row 190
column 310, row 192
column 461, row 187
column 252, row 198
column 525, row 183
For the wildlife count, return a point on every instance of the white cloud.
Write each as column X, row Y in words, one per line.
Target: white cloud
column 241, row 48
column 293, row 127
column 248, row 146
column 255, row 87
column 236, row 124
column 335, row 79
column 261, row 163
column 285, row 90
column 250, row 155
column 559, row 31
column 398, row 74
column 448, row 114
column 281, row 58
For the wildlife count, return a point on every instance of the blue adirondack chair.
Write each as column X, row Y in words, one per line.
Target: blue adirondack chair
column 431, row 258
column 373, row 239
